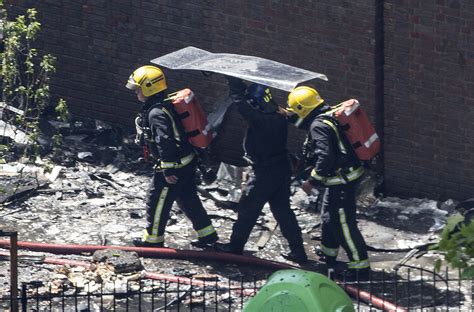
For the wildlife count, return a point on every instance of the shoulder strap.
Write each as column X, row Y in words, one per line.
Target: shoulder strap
column 329, row 120
column 171, row 96
column 176, row 134
column 177, row 137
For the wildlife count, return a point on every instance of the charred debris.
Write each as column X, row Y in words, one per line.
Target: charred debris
column 91, row 191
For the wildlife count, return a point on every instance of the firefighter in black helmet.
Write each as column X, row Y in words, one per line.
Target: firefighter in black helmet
column 175, row 161
column 265, row 150
column 336, row 169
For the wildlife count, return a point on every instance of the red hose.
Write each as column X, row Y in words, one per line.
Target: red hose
column 170, row 253
column 167, row 253
column 368, row 297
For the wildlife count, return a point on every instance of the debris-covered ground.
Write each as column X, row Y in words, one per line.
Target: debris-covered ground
column 92, row 191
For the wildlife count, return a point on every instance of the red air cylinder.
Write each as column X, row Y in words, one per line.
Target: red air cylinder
column 193, row 118
column 358, row 129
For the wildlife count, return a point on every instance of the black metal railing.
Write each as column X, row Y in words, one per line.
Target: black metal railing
column 409, row 288
column 416, row 289
column 142, row 295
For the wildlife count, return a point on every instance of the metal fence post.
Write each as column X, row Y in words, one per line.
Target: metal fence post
column 13, row 268
column 24, row 298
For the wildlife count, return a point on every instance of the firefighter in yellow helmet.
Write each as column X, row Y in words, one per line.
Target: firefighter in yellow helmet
column 161, row 133
column 336, row 170
column 303, row 100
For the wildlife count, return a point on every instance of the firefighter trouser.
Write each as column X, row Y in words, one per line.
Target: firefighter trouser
column 161, row 196
column 339, row 225
column 267, row 184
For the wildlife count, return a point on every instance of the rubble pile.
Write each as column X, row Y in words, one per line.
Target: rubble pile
column 92, row 191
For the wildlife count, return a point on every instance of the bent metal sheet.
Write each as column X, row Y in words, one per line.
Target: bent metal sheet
column 251, row 68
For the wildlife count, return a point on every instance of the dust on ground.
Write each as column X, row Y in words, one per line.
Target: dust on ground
column 92, row 192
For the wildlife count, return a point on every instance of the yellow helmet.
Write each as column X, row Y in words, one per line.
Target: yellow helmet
column 303, row 100
column 149, row 78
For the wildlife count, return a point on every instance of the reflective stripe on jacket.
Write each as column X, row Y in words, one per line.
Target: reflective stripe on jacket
column 183, row 162
column 341, row 178
column 335, row 161
column 165, row 136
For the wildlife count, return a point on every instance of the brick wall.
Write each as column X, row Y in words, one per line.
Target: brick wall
column 429, row 98
column 99, row 43
column 409, row 62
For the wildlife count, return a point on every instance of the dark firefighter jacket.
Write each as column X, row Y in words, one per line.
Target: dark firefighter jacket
column 325, row 143
column 265, row 139
column 167, row 140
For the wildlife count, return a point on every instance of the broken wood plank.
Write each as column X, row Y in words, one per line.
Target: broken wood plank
column 12, row 212
column 63, row 190
column 20, row 193
column 12, row 109
column 115, row 185
column 220, row 203
column 266, row 235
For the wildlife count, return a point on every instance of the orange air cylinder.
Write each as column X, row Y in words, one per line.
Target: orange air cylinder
column 193, row 118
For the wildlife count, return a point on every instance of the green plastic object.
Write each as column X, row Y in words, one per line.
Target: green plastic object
column 299, row 291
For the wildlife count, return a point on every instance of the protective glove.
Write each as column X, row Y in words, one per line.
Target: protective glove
column 311, row 186
column 170, row 176
column 307, row 187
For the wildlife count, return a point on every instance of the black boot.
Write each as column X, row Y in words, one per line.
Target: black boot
column 330, row 261
column 205, row 242
column 333, row 266
column 229, row 248
column 298, row 257
column 141, row 243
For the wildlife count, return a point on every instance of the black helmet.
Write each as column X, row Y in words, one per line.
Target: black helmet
column 260, row 97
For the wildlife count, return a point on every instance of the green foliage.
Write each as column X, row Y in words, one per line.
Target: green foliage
column 4, row 150
column 57, row 142
column 25, row 74
column 457, row 245
column 62, row 110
